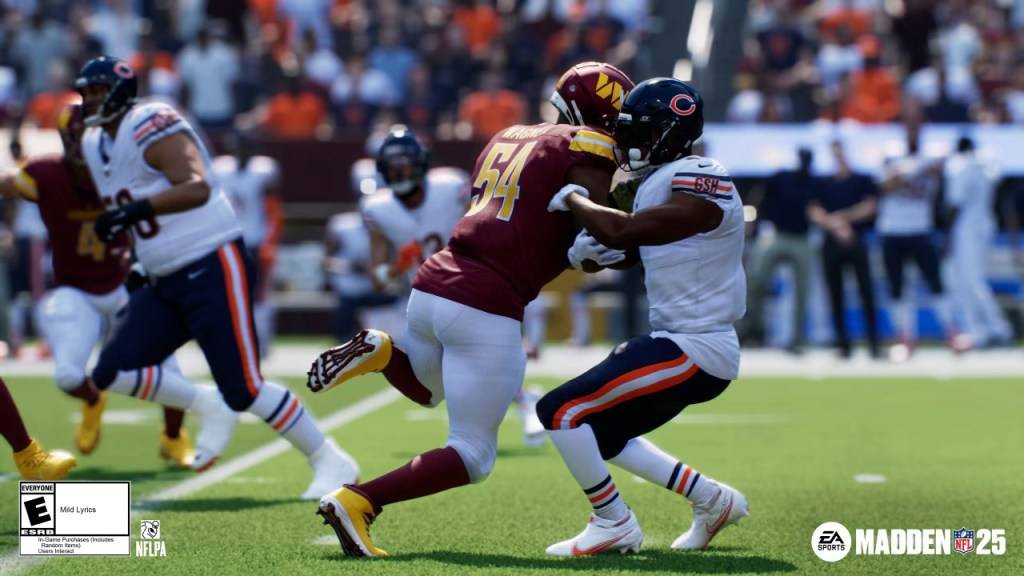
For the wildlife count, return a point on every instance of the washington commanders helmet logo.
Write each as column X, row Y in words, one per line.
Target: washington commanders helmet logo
column 683, row 104
column 609, row 90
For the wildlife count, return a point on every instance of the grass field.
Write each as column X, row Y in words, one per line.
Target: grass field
column 950, row 452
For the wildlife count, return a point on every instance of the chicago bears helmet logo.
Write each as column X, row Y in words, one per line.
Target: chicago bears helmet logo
column 123, row 70
column 674, row 105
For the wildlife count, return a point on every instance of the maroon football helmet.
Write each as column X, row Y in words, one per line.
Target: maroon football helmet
column 591, row 94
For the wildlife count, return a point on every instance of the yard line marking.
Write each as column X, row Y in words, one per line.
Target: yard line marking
column 12, row 563
column 869, row 479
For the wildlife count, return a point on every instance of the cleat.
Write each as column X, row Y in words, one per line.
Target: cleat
column 724, row 508
column 332, row 467
column 534, row 435
column 602, row 536
column 87, row 435
column 178, row 451
column 217, row 424
column 350, row 514
column 34, row 463
column 368, row 351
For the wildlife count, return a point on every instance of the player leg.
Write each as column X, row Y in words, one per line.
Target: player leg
column 858, row 256
column 216, row 298
column 643, row 384
column 926, row 256
column 833, row 261
column 175, row 444
column 32, row 461
column 894, row 253
column 973, row 257
column 483, row 365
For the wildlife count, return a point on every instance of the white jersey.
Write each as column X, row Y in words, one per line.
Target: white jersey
column 696, row 287
column 350, row 235
column 907, row 210
column 121, row 174
column 246, row 189
column 432, row 222
column 970, row 187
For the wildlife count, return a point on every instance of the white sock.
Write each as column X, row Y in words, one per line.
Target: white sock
column 579, row 450
column 286, row 414
column 263, row 317
column 535, row 322
column 944, row 312
column 153, row 383
column 902, row 318
column 580, row 317
column 649, row 462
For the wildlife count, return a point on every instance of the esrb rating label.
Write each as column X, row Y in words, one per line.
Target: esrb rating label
column 75, row 518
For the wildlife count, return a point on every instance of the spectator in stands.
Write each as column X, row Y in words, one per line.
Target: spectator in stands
column 782, row 43
column 844, row 208
column 393, row 59
column 209, row 69
column 117, row 27
column 321, row 64
column 837, row 57
column 295, row 112
column 35, row 49
column 945, row 93
column 782, row 239
column 305, row 15
column 360, row 92
column 873, row 94
column 479, row 22
column 155, row 68
column 1013, row 98
column 492, row 108
column 913, row 30
column 421, row 104
column 44, row 108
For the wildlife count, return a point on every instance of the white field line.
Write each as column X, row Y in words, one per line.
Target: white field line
column 12, row 563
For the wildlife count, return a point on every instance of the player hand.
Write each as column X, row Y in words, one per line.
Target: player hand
column 558, row 204
column 586, row 247
column 136, row 278
column 113, row 222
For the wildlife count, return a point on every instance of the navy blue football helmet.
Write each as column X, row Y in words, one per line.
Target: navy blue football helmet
column 659, row 121
column 402, row 160
column 122, row 88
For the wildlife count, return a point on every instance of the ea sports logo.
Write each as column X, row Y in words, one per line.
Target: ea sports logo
column 683, row 104
column 123, row 71
column 831, row 542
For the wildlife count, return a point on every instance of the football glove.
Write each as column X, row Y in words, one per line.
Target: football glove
column 557, row 202
column 136, row 278
column 586, row 247
column 113, row 222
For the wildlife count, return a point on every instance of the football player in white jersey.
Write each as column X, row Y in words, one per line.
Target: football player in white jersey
column 251, row 183
column 154, row 175
column 970, row 192
column 412, row 218
column 905, row 224
column 687, row 221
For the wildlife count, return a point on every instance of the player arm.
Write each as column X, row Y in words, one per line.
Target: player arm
column 178, row 158
column 380, row 251
column 684, row 215
column 8, row 189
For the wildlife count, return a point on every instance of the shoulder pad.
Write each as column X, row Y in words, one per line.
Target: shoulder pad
column 593, row 142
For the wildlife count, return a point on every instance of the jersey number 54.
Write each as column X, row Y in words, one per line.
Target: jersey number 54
column 501, row 182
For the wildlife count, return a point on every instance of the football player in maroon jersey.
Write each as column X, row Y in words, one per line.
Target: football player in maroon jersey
column 89, row 276
column 463, row 341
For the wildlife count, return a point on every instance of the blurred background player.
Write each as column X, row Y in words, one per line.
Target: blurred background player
column 26, row 269
column 970, row 193
column 906, row 220
column 464, row 341
column 33, row 462
column 688, row 205
column 151, row 167
column 844, row 208
column 89, row 292
column 252, row 183
column 412, row 219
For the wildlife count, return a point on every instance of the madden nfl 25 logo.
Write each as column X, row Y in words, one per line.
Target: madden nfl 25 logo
column 831, row 541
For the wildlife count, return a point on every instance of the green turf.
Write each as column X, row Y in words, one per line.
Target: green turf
column 951, row 451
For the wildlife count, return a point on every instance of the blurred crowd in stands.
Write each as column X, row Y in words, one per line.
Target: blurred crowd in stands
column 864, row 60
column 316, row 68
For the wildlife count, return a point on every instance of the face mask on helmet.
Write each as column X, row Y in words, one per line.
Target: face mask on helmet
column 401, row 175
column 633, row 144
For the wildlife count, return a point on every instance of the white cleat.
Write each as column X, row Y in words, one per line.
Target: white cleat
column 602, row 536
column 332, row 469
column 217, row 424
column 534, row 434
column 724, row 508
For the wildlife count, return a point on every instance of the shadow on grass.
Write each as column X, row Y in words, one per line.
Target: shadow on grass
column 647, row 561
column 231, row 504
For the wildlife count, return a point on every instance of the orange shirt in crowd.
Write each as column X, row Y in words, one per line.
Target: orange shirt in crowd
column 297, row 116
column 858, row 21
column 161, row 61
column 44, row 108
column 492, row 112
column 480, row 24
column 873, row 96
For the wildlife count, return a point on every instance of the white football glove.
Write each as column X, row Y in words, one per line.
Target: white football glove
column 586, row 247
column 558, row 200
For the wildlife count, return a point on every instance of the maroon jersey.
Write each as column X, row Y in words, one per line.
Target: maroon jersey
column 80, row 259
column 508, row 246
